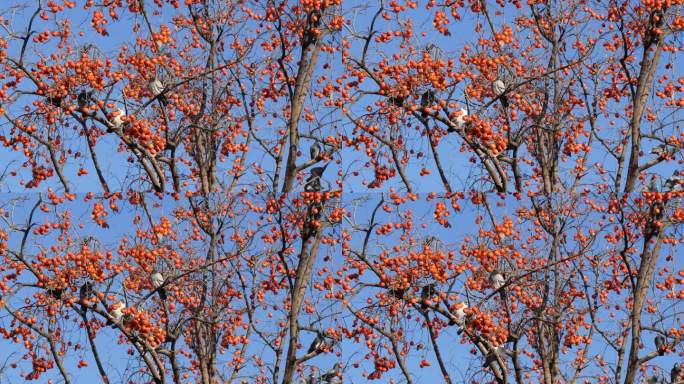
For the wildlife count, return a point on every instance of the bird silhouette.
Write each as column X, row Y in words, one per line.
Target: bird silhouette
column 85, row 293
column 425, row 294
column 313, row 182
column 676, row 374
column 674, row 182
column 314, row 151
column 316, row 344
column 659, row 342
column 84, row 98
column 332, row 376
column 426, row 101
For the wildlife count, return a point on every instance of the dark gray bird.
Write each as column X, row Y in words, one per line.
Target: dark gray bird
column 427, row 100
column 332, row 376
column 499, row 88
column 659, row 150
column 55, row 292
column 314, row 151
column 397, row 101
column 313, row 182
column 316, row 344
column 84, row 293
column 660, row 344
column 676, row 374
column 56, row 100
column 84, row 99
column 398, row 292
column 425, row 294
column 675, row 182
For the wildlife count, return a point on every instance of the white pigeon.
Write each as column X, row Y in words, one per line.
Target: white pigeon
column 460, row 119
column 498, row 87
column 117, row 119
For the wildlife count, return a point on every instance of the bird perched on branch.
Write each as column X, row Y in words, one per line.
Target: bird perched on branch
column 427, row 99
column 659, row 342
column 460, row 119
column 117, row 118
column 498, row 281
column 676, row 374
column 84, row 294
column 460, row 315
column 499, row 88
column 316, row 344
column 314, row 151
column 659, row 150
column 117, row 314
column 313, row 182
column 426, row 294
column 84, row 99
column 333, row 376
column 675, row 182
column 157, row 88
column 55, row 292
column 157, row 280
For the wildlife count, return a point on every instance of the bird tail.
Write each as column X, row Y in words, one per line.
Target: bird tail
column 162, row 294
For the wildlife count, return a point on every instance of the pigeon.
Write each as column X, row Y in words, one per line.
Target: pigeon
column 427, row 100
column 660, row 344
column 316, row 344
column 460, row 119
column 157, row 280
column 499, row 89
column 314, row 151
column 157, row 89
column 117, row 119
column 84, row 293
column 676, row 374
column 313, row 182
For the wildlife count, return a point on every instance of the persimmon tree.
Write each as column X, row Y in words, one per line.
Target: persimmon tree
column 221, row 191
